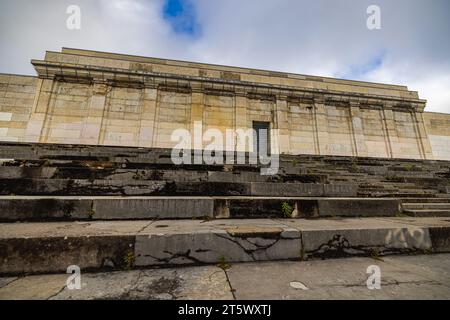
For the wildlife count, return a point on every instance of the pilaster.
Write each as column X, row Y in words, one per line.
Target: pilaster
column 39, row 112
column 321, row 125
column 147, row 123
column 90, row 132
column 358, row 139
column 282, row 124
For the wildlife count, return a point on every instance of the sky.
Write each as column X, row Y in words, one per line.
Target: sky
column 320, row 37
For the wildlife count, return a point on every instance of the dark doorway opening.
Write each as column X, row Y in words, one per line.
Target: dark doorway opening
column 261, row 138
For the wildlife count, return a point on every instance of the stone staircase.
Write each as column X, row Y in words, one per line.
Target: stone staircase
column 117, row 207
column 426, row 207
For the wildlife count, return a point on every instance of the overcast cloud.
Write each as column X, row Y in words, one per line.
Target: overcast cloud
column 327, row 38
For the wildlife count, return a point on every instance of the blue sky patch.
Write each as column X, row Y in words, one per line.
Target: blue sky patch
column 181, row 16
column 359, row 71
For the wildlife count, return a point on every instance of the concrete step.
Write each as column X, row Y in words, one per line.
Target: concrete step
column 415, row 277
column 424, row 205
column 383, row 194
column 52, row 247
column 132, row 187
column 426, row 200
column 418, row 191
column 69, row 208
column 427, row 212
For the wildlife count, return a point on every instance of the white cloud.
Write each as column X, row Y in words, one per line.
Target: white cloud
column 328, row 38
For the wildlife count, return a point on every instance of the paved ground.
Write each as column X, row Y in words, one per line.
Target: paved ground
column 402, row 277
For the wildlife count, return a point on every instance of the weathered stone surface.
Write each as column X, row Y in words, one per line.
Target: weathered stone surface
column 39, row 287
column 287, row 189
column 6, row 280
column 251, row 207
column 68, row 187
column 38, row 255
column 362, row 242
column 52, row 247
column 165, row 208
column 359, row 207
column 143, row 116
column 206, row 283
column 41, row 208
column 349, row 207
column 233, row 243
column 340, row 190
column 402, row 277
column 361, row 237
column 16, row 209
column 440, row 238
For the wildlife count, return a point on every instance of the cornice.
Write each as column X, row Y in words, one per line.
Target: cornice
column 147, row 79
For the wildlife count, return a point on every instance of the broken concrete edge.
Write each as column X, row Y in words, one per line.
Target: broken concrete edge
column 213, row 244
column 41, row 208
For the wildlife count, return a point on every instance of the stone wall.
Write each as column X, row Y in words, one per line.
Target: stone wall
column 438, row 128
column 86, row 97
column 17, row 94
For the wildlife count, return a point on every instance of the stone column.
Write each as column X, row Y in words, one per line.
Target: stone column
column 358, row 139
column 321, row 125
column 34, row 131
column 282, row 124
column 90, row 133
column 147, row 123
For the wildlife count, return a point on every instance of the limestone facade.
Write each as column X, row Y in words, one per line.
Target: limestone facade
column 96, row 98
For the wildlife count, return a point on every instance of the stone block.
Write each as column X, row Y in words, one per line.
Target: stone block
column 329, row 244
column 55, row 254
column 30, row 209
column 287, row 189
column 149, row 208
column 349, row 207
column 252, row 244
column 340, row 190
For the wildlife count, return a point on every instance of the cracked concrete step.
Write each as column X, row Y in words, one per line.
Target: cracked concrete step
column 168, row 173
column 403, row 277
column 67, row 208
column 189, row 283
column 52, row 247
column 131, row 187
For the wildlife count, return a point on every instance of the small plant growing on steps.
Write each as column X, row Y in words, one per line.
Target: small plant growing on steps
column 354, row 167
column 286, row 209
column 129, row 260
column 375, row 255
column 223, row 264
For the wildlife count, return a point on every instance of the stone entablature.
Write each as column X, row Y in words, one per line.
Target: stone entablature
column 88, row 97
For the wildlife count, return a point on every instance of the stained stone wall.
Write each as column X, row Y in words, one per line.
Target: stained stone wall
column 87, row 97
column 438, row 129
column 17, row 94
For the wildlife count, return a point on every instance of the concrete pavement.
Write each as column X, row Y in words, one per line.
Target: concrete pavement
column 402, row 277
